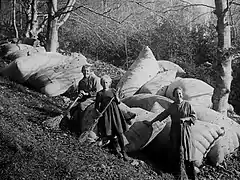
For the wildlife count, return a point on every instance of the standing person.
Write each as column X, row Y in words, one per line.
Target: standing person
column 88, row 87
column 112, row 122
column 183, row 116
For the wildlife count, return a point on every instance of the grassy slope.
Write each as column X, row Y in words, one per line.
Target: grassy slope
column 30, row 151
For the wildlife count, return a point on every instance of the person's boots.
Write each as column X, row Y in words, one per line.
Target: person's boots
column 125, row 156
column 115, row 146
column 123, row 150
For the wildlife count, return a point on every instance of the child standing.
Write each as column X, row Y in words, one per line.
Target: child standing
column 112, row 122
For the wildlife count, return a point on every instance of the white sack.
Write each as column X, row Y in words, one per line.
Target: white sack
column 138, row 135
column 158, row 84
column 195, row 91
column 205, row 136
column 50, row 73
column 156, row 108
column 230, row 141
column 146, row 101
column 14, row 51
column 168, row 65
column 142, row 70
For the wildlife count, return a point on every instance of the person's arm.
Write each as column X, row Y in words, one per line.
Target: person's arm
column 163, row 115
column 79, row 88
column 97, row 103
column 81, row 92
column 117, row 99
column 95, row 88
column 192, row 115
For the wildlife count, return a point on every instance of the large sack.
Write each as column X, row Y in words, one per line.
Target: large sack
column 29, row 51
column 158, row 84
column 138, row 135
column 14, row 51
column 90, row 115
column 54, row 82
column 231, row 139
column 88, row 119
column 126, row 111
column 146, row 101
column 168, row 65
column 50, row 73
column 157, row 108
column 30, row 65
column 205, row 136
column 142, row 70
column 8, row 48
column 195, row 91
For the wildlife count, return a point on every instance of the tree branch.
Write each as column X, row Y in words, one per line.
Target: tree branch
column 197, row 4
column 235, row 3
column 61, row 11
column 53, row 7
column 90, row 28
column 112, row 9
column 68, row 8
column 100, row 14
column 41, row 26
column 98, row 26
column 158, row 14
column 182, row 7
column 103, row 15
column 196, row 18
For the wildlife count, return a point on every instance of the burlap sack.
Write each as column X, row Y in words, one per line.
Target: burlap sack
column 146, row 101
column 231, row 139
column 168, row 65
column 142, row 70
column 158, row 84
column 14, row 51
column 195, row 91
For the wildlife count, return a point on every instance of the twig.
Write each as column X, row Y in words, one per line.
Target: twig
column 101, row 14
column 224, row 169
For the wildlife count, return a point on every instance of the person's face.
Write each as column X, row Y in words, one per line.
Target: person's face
column 105, row 83
column 178, row 95
column 86, row 72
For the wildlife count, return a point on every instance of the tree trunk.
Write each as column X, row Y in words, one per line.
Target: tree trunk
column 28, row 24
column 54, row 22
column 21, row 17
column 14, row 19
column 52, row 36
column 34, row 20
column 223, row 66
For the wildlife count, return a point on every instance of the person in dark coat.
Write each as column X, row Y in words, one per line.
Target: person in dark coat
column 112, row 122
column 183, row 117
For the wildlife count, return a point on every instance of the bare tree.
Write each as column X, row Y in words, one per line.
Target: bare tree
column 223, row 65
column 33, row 26
column 14, row 18
column 56, row 18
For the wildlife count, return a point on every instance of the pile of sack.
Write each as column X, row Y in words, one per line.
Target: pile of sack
column 50, row 73
column 146, row 90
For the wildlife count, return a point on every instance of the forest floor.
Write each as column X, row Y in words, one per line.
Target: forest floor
column 29, row 150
